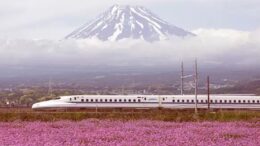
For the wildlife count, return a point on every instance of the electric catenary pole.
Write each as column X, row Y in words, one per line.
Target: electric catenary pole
column 196, row 86
column 182, row 78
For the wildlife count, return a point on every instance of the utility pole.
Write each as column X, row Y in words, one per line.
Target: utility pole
column 196, row 86
column 182, row 77
column 122, row 89
column 50, row 88
column 208, row 86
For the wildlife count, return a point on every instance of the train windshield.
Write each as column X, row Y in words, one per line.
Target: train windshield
column 56, row 98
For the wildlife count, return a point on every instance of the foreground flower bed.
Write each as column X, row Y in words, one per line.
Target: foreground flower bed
column 140, row 132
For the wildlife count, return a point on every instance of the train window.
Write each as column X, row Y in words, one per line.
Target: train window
column 163, row 99
column 178, row 100
column 101, row 100
column 86, row 100
column 225, row 101
column 145, row 98
column 230, row 101
column 211, row 101
column 239, row 101
column 96, row 100
column 115, row 100
column 124, row 100
column 197, row 101
column 120, row 100
column 244, row 101
column 235, row 101
column 216, row 101
column 182, row 101
column 75, row 98
column 220, row 101
column 188, row 101
column 105, row 100
column 248, row 101
column 129, row 100
column 257, row 101
column 134, row 100
column 82, row 100
column 173, row 100
column 192, row 101
column 110, row 100
column 139, row 100
column 206, row 101
column 201, row 101
column 70, row 99
column 91, row 100
column 253, row 101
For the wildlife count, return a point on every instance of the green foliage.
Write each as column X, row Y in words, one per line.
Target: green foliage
column 162, row 115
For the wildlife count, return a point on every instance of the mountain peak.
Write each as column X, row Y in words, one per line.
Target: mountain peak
column 122, row 7
column 125, row 21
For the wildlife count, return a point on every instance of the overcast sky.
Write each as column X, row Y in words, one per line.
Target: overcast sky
column 54, row 19
column 31, row 33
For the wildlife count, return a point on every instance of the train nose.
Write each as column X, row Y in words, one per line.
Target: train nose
column 35, row 106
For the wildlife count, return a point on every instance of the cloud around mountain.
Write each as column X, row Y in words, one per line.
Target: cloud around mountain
column 212, row 47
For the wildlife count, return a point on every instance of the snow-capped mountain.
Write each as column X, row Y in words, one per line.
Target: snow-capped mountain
column 120, row 22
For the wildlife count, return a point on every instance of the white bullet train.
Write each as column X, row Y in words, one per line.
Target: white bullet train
column 151, row 101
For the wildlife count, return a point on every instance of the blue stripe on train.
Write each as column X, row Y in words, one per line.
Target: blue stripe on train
column 167, row 103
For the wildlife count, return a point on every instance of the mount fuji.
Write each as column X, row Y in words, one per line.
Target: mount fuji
column 122, row 22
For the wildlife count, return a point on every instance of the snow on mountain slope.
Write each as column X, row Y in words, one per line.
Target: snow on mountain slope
column 120, row 22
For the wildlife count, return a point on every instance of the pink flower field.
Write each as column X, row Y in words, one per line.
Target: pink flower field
column 134, row 133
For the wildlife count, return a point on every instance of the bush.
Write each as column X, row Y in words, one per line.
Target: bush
column 162, row 115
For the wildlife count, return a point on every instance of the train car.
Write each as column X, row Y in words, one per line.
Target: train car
column 152, row 101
